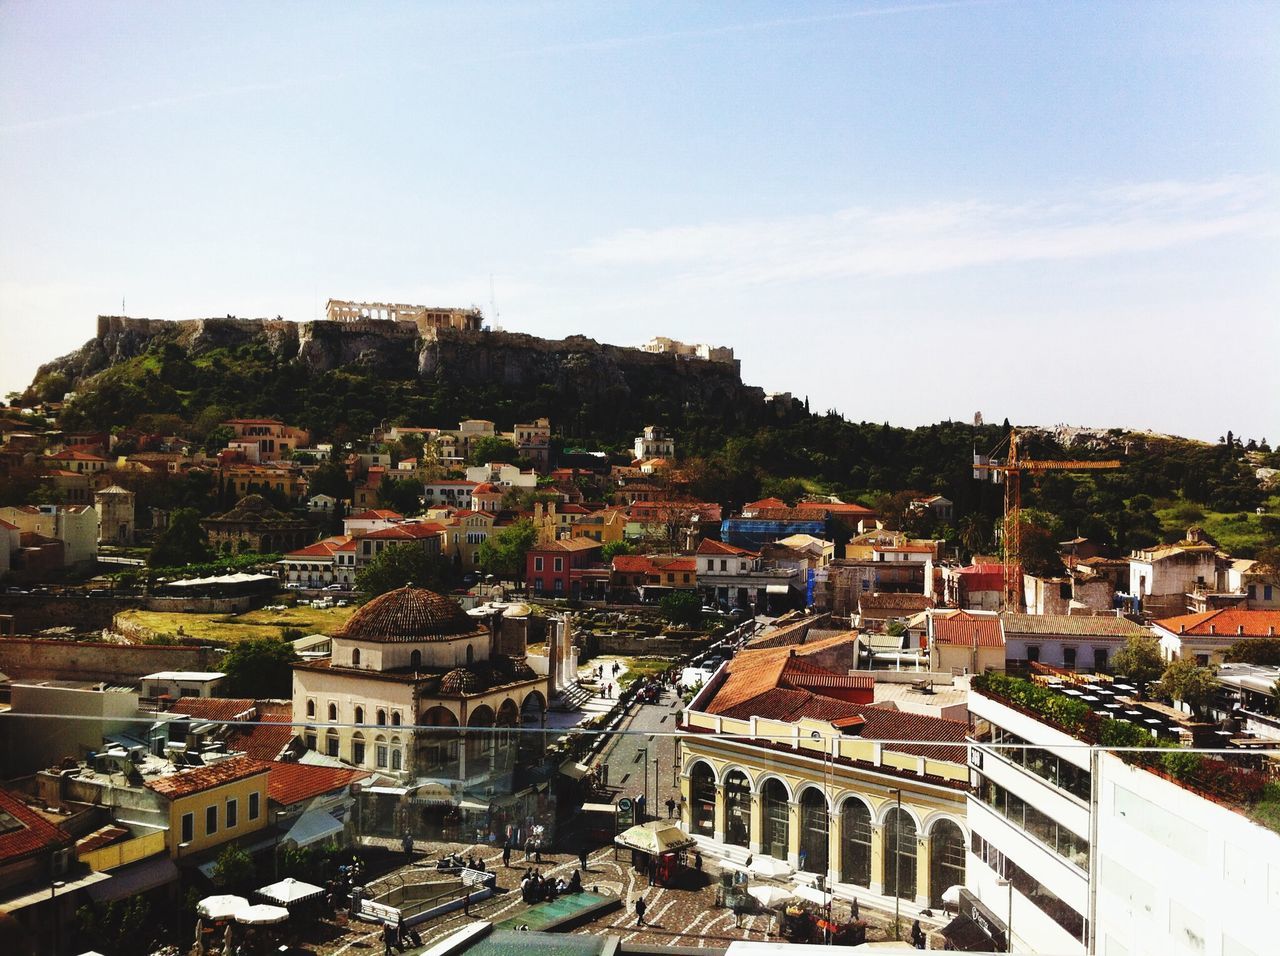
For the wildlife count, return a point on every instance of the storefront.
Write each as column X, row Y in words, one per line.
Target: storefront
column 975, row 929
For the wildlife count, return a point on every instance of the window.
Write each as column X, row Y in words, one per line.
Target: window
column 311, row 708
column 357, row 750
column 559, row 564
column 331, row 744
column 381, row 756
column 233, row 813
column 333, row 711
column 382, row 718
column 559, row 586
column 211, row 820
column 395, row 718
column 311, row 740
column 1266, row 592
column 255, row 805
column 1069, row 658
column 355, row 658
column 537, row 564
column 1033, row 652
column 359, row 715
column 1067, row 844
column 415, row 659
column 188, row 827
column 1049, row 903
column 395, row 759
column 1100, row 659
column 1202, row 660
column 724, row 565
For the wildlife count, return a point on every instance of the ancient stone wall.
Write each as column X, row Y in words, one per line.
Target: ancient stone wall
column 36, row 659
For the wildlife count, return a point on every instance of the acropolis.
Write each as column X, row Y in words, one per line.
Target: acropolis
column 426, row 318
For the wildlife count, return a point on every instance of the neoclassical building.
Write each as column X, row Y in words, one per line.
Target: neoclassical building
column 409, row 675
column 780, row 757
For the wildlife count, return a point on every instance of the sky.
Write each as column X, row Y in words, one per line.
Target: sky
column 907, row 211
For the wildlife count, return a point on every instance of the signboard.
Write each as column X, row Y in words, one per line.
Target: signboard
column 986, row 920
column 626, row 813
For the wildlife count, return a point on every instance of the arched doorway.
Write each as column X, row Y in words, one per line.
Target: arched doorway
column 505, row 724
column 437, row 752
column 702, row 799
column 532, row 743
column 815, row 831
column 480, row 743
column 855, row 843
column 737, row 809
column 899, row 854
column 776, row 819
column 946, row 859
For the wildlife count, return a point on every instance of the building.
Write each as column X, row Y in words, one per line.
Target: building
column 426, row 318
column 424, row 535
column 977, row 587
column 1163, row 576
column 550, row 567
column 661, row 345
column 1205, row 637
column 768, row 525
column 49, row 720
column 211, row 805
column 965, row 642
column 373, row 519
column 314, row 566
column 654, row 443
column 115, row 515
column 1067, row 641
column 254, row 524
column 533, row 441
column 782, row 757
column 942, row 509
column 182, row 683
column 731, row 576
column 455, row 493
column 274, row 439
column 34, row 852
column 604, row 527
column 75, row 526
column 78, row 461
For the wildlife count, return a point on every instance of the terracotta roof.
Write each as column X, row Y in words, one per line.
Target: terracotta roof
column 321, row 549
column 74, row 455
column 30, row 833
column 289, row 783
column 679, row 564
column 753, row 672
column 786, row 514
column 406, row 615
column 836, row 508
column 216, row 708
column 632, row 564
column 711, row 546
column 486, row 488
column 265, row 739
column 186, row 782
column 1225, row 622
column 964, row 629
column 376, row 514
column 764, row 503
column 1074, row 625
column 411, row 531
column 887, row 601
column 568, row 544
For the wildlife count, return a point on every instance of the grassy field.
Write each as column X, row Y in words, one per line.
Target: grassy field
column 638, row 667
column 229, row 629
column 1240, row 533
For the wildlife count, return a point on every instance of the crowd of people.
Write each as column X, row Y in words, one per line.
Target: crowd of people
column 536, row 888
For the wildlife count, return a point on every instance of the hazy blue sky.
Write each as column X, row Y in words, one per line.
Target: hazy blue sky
column 1058, row 212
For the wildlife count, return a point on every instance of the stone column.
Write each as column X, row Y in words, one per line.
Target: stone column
column 793, row 834
column 756, row 836
column 719, row 822
column 878, row 858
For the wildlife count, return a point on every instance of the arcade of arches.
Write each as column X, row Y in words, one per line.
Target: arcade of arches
column 916, row 851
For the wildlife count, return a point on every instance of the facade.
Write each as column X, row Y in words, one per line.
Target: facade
column 732, row 576
column 254, row 524
column 533, row 441
column 549, row 567
column 654, row 443
column 426, row 318
column 76, row 526
column 451, row 494
column 661, row 345
column 209, row 806
column 965, row 642
column 275, row 440
column 603, row 527
column 1205, row 637
column 466, row 533
column 1070, row 642
column 779, row 759
column 115, row 515
column 425, row 535
column 1163, row 576
column 314, row 566
column 374, row 519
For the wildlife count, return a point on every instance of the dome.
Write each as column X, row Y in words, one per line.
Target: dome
column 407, row 615
column 486, row 488
column 461, row 681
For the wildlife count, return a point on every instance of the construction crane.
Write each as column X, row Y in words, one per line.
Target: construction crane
column 1012, row 468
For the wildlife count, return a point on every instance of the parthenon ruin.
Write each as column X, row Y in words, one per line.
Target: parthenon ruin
column 425, row 317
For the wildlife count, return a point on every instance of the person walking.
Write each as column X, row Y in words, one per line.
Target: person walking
column 671, row 808
column 640, row 908
column 582, row 859
column 406, row 844
column 640, row 802
column 388, row 938
column 506, row 854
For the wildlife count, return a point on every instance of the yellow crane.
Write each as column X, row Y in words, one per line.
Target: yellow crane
column 1013, row 468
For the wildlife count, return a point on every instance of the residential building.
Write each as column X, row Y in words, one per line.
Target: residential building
column 977, row 587
column 75, row 526
column 314, row 566
column 654, row 443
column 503, row 475
column 1205, row 637
column 68, row 487
column 309, row 804
column 78, row 461
column 33, row 735
column 425, row 535
column 604, row 527
column 34, row 852
column 182, row 683
column 533, row 441
column 549, row 567
column 487, row 496
column 373, row 519
column 876, row 610
column 275, row 440
column 731, row 576
column 1163, row 576
column 768, row 525
column 454, row 493
column 942, row 509
column 783, row 757
column 469, row 530
column 964, row 642
column 1067, row 641
column 208, row 806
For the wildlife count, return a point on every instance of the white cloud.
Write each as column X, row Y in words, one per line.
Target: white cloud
column 944, row 236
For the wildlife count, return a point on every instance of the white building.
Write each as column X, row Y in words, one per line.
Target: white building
column 1069, row 641
column 502, row 474
column 654, row 443
column 181, row 683
column 1163, row 576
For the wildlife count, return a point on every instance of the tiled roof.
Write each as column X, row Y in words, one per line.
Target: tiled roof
column 787, row 514
column 568, row 544
column 1225, row 622
column 406, row 614
column 289, row 783
column 840, row 508
column 753, row 672
column 30, row 833
column 711, row 546
column 413, row 531
column 376, row 514
column 216, row 708
column 1072, row 625
column 321, row 549
column 877, row 601
column 965, row 630
column 271, row 734
column 186, row 782
column 680, row 564
column 764, row 503
column 632, row 564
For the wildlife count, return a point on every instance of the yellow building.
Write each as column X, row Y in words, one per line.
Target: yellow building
column 209, row 806
column 784, row 756
column 606, row 526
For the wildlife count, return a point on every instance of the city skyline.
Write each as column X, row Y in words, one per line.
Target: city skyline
column 1041, row 212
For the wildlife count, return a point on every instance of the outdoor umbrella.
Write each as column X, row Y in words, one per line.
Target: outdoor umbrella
column 655, row 837
column 768, row 866
column 220, row 907
column 262, row 915
column 289, row 891
column 951, row 896
column 770, row 896
column 812, row 895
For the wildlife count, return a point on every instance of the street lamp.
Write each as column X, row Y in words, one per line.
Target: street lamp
column 1008, row 926
column 897, row 864
column 644, row 770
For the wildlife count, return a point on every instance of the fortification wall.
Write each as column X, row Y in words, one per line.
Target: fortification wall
column 31, row 658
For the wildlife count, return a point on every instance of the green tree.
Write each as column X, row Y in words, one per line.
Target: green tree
column 260, row 668
column 491, row 448
column 404, row 495
column 682, row 608
column 1186, row 681
column 1139, row 660
column 615, row 548
column 217, row 439
column 1255, row 650
column 502, row 554
column 329, row 478
column 183, row 542
column 233, row 869
column 125, row 927
column 405, row 564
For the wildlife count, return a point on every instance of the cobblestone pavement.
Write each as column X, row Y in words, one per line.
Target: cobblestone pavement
column 631, row 755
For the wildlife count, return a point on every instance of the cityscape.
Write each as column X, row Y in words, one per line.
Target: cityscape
column 739, row 586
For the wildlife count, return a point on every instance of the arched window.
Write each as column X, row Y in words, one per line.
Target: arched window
column 946, row 859
column 333, row 711
column 355, row 657
column 814, row 831
column 357, row 748
column 702, row 799
column 382, row 717
column 737, row 809
column 775, row 814
column 900, row 855
column 311, row 708
column 331, row 743
column 471, row 654
column 396, row 758
column 395, row 718
column 855, row 843
column 415, row 659
column 359, row 715
column 380, row 752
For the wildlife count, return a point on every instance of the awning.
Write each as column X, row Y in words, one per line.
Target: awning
column 777, row 589
column 966, row 936
column 138, row 878
column 474, row 805
column 655, row 837
column 42, row 894
column 390, row 791
column 574, row 770
column 289, row 891
column 312, row 826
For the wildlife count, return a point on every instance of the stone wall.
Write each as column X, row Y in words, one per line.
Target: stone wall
column 30, row 658
column 37, row 612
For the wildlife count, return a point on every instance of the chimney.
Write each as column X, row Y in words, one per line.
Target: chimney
column 1271, row 630
column 1213, row 629
column 1240, row 630
column 1182, row 628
